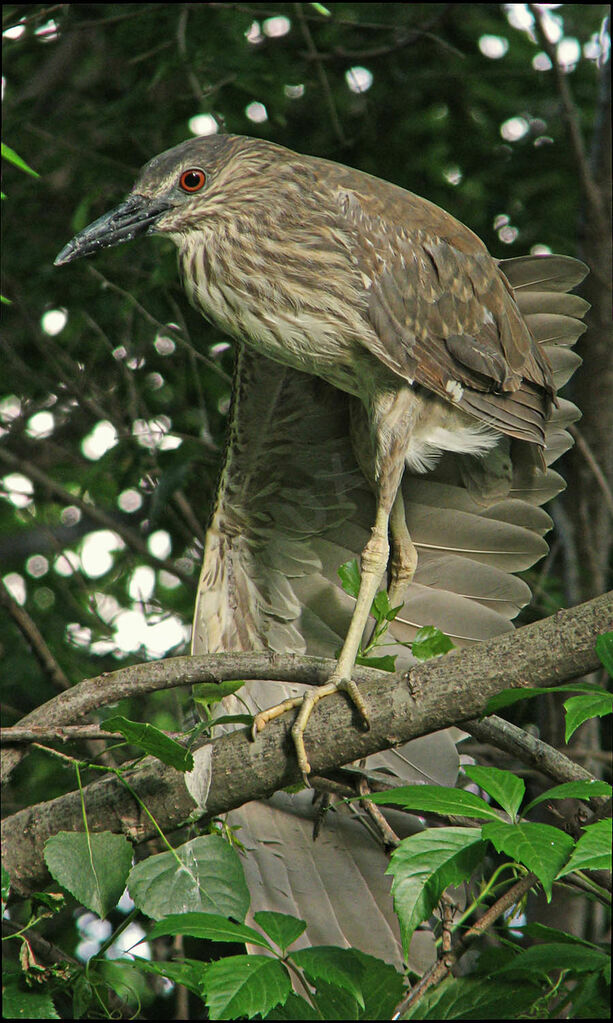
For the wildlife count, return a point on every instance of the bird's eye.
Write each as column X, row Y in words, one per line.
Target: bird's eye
column 192, row 180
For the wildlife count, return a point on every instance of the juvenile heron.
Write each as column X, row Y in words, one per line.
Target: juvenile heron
column 379, row 293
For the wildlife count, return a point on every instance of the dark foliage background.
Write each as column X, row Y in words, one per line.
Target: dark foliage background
column 95, row 90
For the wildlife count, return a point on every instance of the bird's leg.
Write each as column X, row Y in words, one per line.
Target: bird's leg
column 403, row 561
column 374, row 562
column 385, row 468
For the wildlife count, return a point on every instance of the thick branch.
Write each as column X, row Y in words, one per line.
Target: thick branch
column 233, row 770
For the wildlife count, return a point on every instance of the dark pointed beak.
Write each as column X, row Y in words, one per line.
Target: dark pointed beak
column 137, row 215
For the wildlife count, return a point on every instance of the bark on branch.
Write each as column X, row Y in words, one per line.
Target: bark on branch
column 234, row 770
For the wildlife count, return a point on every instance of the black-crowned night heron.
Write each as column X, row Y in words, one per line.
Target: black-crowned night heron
column 400, row 308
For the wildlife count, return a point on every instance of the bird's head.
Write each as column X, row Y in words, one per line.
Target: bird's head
column 199, row 181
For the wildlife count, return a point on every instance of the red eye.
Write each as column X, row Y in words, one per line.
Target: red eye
column 192, row 180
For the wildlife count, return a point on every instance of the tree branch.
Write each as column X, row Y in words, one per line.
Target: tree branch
column 103, row 518
column 527, row 748
column 599, row 476
column 572, row 118
column 34, row 637
column 233, row 770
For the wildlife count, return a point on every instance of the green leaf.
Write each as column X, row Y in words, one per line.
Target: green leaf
column 284, row 930
column 335, row 1002
column 430, row 642
column 591, row 998
column 204, row 875
column 582, row 708
column 20, row 1004
column 232, row 719
column 506, row 788
column 333, row 965
column 13, row 157
column 604, row 649
column 211, row 926
column 214, row 692
column 382, row 609
column 593, row 850
column 510, row 696
column 83, row 995
column 572, row 790
column 465, row 998
column 437, row 799
column 542, row 933
column 382, row 987
column 93, row 867
column 55, row 901
column 6, row 883
column 424, row 865
column 387, row 662
column 188, row 972
column 244, row 986
column 121, row 976
column 151, row 740
column 539, row 847
column 294, row 1008
column 349, row 575
column 554, row 956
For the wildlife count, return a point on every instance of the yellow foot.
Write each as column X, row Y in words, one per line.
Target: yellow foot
column 261, row 720
column 306, row 704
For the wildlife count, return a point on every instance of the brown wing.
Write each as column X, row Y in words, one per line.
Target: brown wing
column 444, row 314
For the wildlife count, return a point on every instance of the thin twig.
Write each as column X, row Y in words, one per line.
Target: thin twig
column 339, row 53
column 321, row 74
column 386, row 832
column 132, row 539
column 196, row 526
column 545, row 758
column 35, row 638
column 588, row 454
column 443, row 966
column 448, row 911
column 66, row 733
column 168, row 328
column 571, row 117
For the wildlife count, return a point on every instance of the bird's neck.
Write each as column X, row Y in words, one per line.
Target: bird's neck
column 257, row 294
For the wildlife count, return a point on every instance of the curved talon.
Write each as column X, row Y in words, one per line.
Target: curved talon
column 261, row 720
column 309, row 701
column 306, row 704
column 350, row 687
column 374, row 560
